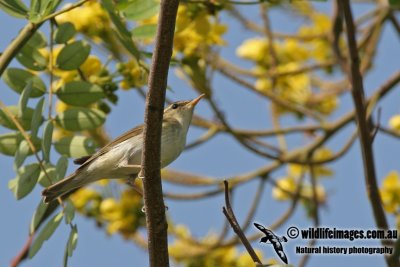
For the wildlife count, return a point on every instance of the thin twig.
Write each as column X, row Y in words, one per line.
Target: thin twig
column 236, row 227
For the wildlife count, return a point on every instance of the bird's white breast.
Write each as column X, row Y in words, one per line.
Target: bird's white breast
column 129, row 152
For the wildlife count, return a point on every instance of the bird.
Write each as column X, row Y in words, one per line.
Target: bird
column 121, row 158
column 274, row 240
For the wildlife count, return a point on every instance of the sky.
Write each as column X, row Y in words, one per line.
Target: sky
column 347, row 206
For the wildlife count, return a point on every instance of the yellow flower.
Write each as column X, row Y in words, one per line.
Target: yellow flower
column 319, row 47
column 308, row 192
column 254, row 49
column 297, row 170
column 244, row 259
column 327, row 105
column 83, row 196
column 110, row 210
column 263, row 84
column 390, row 192
column 284, row 189
column 90, row 19
column 90, row 68
column 134, row 74
column 194, row 35
column 394, row 122
column 292, row 51
column 123, row 216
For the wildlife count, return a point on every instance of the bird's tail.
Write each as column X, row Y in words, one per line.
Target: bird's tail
column 63, row 187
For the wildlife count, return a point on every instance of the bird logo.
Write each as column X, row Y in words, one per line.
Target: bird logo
column 274, row 240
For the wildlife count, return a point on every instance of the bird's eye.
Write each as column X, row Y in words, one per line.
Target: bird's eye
column 174, row 106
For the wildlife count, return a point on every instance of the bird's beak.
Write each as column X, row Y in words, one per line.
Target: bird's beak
column 194, row 102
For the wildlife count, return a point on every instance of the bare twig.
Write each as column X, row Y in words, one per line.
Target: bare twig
column 236, row 227
column 23, row 253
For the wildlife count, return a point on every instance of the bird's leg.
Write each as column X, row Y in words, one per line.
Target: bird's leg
column 131, row 183
column 130, row 169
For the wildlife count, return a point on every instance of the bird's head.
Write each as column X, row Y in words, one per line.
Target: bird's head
column 182, row 110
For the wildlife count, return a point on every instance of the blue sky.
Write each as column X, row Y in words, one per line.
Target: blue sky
column 347, row 205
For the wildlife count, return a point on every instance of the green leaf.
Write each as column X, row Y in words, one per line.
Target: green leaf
column 71, row 244
column 73, row 55
column 394, row 3
column 51, row 5
column 37, row 117
column 21, row 154
column 34, row 11
column 147, row 31
column 37, row 216
column 51, row 173
column 25, row 181
column 72, row 241
column 47, row 138
column 23, row 100
column 14, row 8
column 40, row 9
column 64, row 33
column 80, row 93
column 79, row 119
column 31, row 58
column 9, row 143
column 17, row 79
column 121, row 32
column 75, row 146
column 61, row 168
column 38, row 40
column 69, row 212
column 24, row 120
column 141, row 9
column 45, row 234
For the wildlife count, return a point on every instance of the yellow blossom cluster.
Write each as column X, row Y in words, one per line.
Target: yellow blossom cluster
column 394, row 123
column 187, row 253
column 91, row 69
column 321, row 154
column 315, row 37
column 87, row 201
column 286, row 79
column 196, row 32
column 390, row 192
column 286, row 187
column 123, row 215
column 90, row 19
column 134, row 74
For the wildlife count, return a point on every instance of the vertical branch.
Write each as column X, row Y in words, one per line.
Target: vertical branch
column 364, row 129
column 153, row 197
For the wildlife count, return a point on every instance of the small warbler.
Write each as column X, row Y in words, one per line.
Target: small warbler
column 122, row 157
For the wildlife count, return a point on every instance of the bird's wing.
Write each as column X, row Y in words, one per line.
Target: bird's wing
column 263, row 229
column 125, row 136
column 260, row 227
column 279, row 250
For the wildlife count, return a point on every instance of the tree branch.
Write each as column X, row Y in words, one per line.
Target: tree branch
column 153, row 197
column 364, row 129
